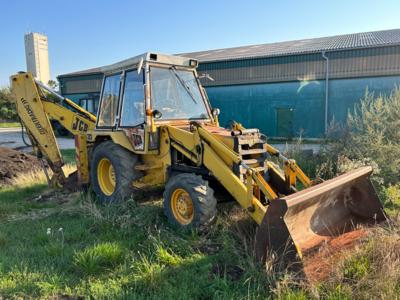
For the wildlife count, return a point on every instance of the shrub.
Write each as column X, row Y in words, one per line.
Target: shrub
column 98, row 258
column 370, row 137
column 391, row 199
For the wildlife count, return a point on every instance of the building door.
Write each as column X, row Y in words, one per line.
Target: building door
column 284, row 122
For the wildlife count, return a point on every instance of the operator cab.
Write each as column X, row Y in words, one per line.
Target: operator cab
column 151, row 88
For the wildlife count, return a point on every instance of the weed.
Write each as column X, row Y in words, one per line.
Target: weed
column 371, row 271
column 391, row 199
column 100, row 257
column 355, row 268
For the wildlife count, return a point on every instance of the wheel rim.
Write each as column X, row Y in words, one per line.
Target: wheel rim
column 106, row 176
column 182, row 206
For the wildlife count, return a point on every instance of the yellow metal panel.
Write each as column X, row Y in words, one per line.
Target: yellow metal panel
column 227, row 154
column 159, row 163
column 32, row 113
column 82, row 159
column 264, row 186
column 120, row 138
column 72, row 121
column 232, row 183
column 186, row 139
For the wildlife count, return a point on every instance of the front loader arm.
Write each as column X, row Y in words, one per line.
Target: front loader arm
column 291, row 168
column 202, row 147
column 291, row 222
column 36, row 105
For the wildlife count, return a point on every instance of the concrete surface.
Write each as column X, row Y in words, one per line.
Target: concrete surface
column 11, row 138
column 315, row 148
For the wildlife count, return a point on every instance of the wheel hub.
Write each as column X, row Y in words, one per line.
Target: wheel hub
column 106, row 176
column 182, row 206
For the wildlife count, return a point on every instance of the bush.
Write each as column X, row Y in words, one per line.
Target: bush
column 391, row 199
column 370, row 137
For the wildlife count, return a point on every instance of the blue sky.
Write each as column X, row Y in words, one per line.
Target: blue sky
column 84, row 34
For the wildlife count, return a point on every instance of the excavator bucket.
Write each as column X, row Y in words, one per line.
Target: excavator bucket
column 297, row 224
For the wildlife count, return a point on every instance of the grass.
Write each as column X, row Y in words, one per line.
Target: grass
column 9, row 124
column 98, row 258
column 370, row 272
column 54, row 243
column 69, row 245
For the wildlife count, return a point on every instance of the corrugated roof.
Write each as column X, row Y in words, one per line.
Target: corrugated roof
column 331, row 43
column 83, row 72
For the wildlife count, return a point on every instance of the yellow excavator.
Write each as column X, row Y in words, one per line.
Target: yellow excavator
column 155, row 127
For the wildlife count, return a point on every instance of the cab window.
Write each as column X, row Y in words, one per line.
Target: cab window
column 109, row 101
column 133, row 109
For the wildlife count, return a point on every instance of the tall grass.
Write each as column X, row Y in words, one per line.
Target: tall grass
column 37, row 176
column 369, row 272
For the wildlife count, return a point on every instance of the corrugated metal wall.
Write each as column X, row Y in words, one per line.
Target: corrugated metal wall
column 383, row 61
column 257, row 105
column 253, row 91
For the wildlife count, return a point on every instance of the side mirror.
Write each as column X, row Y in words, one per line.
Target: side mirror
column 156, row 114
column 215, row 112
column 206, row 76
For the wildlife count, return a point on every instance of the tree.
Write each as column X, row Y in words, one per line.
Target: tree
column 7, row 106
column 53, row 84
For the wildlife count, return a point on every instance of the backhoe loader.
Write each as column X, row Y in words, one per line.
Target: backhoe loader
column 155, row 127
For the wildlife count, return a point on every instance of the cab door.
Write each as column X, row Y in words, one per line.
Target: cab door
column 109, row 102
column 133, row 104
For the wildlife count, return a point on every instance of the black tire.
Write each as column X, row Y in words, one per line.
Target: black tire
column 202, row 196
column 123, row 162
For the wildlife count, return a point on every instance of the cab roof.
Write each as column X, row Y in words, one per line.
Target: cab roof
column 149, row 57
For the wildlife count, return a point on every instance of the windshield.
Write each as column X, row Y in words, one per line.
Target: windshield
column 176, row 94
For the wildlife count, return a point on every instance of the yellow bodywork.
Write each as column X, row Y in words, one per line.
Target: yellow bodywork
column 239, row 159
column 197, row 143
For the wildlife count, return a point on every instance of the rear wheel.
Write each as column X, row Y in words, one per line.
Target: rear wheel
column 112, row 172
column 189, row 201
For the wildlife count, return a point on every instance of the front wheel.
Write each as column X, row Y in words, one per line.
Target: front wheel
column 189, row 202
column 112, row 172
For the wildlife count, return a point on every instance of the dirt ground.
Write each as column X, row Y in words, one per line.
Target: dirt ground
column 318, row 265
column 13, row 162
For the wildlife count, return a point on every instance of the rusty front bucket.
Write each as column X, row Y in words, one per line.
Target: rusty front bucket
column 300, row 222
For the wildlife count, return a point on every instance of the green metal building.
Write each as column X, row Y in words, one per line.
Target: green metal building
column 82, row 87
column 293, row 88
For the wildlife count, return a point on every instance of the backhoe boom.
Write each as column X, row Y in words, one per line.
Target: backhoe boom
column 36, row 105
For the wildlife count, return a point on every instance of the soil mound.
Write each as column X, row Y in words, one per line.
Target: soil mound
column 319, row 264
column 13, row 163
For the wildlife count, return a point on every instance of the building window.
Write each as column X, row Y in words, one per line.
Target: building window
column 109, row 101
column 133, row 110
